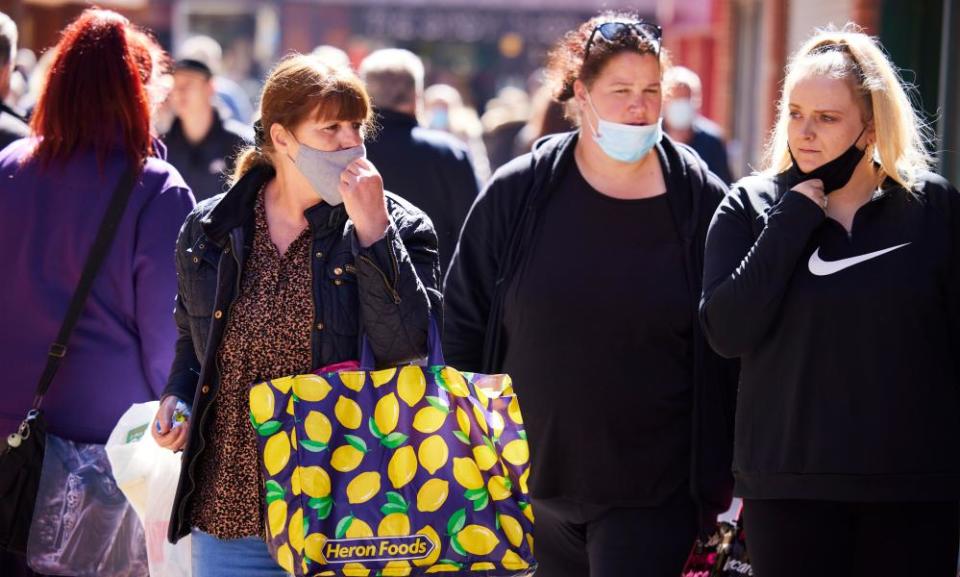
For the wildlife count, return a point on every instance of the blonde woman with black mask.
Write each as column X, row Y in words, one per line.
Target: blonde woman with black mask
column 835, row 277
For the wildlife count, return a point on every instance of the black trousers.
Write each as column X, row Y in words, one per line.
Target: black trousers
column 577, row 540
column 14, row 566
column 793, row 538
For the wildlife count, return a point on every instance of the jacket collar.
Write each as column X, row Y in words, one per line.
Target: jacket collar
column 683, row 172
column 235, row 208
column 176, row 130
column 393, row 118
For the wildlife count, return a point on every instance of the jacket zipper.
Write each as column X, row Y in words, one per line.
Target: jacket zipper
column 386, row 281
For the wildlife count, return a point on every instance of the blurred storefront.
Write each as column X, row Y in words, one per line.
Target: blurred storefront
column 479, row 45
column 738, row 47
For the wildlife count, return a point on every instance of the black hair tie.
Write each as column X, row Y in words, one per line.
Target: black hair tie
column 258, row 133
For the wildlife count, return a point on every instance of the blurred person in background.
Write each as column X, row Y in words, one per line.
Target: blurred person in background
column 443, row 109
column 35, row 81
column 91, row 123
column 683, row 96
column 13, row 125
column 200, row 143
column 547, row 117
column 578, row 273
column 504, row 118
column 231, row 98
column 430, row 168
column 23, row 64
column 333, row 55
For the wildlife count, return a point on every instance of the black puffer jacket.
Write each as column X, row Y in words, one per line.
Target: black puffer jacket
column 387, row 290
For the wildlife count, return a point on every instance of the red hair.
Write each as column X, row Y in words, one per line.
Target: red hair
column 95, row 93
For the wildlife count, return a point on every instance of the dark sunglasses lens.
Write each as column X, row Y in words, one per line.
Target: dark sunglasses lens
column 652, row 31
column 613, row 31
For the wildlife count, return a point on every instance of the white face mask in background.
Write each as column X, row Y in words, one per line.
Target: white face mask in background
column 322, row 169
column 680, row 114
column 625, row 142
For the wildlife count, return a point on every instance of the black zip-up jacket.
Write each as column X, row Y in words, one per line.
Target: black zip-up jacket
column 205, row 164
column 431, row 169
column 849, row 387
column 387, row 290
column 501, row 226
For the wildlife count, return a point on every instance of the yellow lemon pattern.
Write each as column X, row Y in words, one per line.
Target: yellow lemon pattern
column 353, row 457
column 347, row 458
column 317, row 426
column 348, row 412
column 433, row 453
column 363, row 487
column 311, row 388
column 411, row 385
column 261, row 403
column 402, row 467
column 432, row 495
column 276, row 453
column 429, row 419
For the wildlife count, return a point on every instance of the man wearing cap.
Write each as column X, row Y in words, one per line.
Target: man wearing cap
column 200, row 143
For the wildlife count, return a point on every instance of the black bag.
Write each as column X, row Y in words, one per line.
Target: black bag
column 21, row 452
column 20, row 468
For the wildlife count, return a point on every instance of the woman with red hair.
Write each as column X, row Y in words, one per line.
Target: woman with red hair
column 91, row 123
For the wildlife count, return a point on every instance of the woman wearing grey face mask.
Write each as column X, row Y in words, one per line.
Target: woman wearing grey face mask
column 281, row 275
column 578, row 273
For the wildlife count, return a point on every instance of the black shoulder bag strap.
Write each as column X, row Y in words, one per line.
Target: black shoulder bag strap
column 98, row 252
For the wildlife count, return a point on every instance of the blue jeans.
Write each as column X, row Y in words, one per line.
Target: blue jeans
column 247, row 557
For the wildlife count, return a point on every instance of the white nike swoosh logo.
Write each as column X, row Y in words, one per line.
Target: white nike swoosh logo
column 820, row 267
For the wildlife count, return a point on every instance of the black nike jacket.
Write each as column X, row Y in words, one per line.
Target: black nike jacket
column 849, row 385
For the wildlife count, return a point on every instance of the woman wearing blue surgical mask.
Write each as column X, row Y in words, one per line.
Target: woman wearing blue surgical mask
column 578, row 273
column 835, row 276
column 281, row 275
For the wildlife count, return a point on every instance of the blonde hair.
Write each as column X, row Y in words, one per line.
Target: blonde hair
column 298, row 88
column 851, row 55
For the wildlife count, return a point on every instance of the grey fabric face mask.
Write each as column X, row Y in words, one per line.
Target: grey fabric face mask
column 322, row 169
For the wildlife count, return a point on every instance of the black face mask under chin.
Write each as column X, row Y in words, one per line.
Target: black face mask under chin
column 834, row 174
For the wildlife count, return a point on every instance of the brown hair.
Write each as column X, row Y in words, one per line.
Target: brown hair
column 302, row 87
column 566, row 65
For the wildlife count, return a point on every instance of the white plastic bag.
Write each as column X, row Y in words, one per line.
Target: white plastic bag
column 147, row 474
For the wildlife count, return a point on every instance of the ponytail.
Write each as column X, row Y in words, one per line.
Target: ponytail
column 249, row 158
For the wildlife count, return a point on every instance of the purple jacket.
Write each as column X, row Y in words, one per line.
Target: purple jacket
column 122, row 348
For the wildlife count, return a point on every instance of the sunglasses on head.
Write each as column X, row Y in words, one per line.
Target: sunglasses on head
column 617, row 31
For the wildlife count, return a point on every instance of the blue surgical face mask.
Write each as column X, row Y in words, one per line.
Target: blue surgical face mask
column 439, row 119
column 625, row 142
column 322, row 169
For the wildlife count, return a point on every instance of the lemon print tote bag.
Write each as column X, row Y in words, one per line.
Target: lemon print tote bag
column 404, row 471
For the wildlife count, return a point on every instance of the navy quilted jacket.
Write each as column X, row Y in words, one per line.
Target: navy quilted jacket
column 387, row 291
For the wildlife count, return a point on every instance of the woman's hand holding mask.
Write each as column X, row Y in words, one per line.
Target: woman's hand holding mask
column 361, row 187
